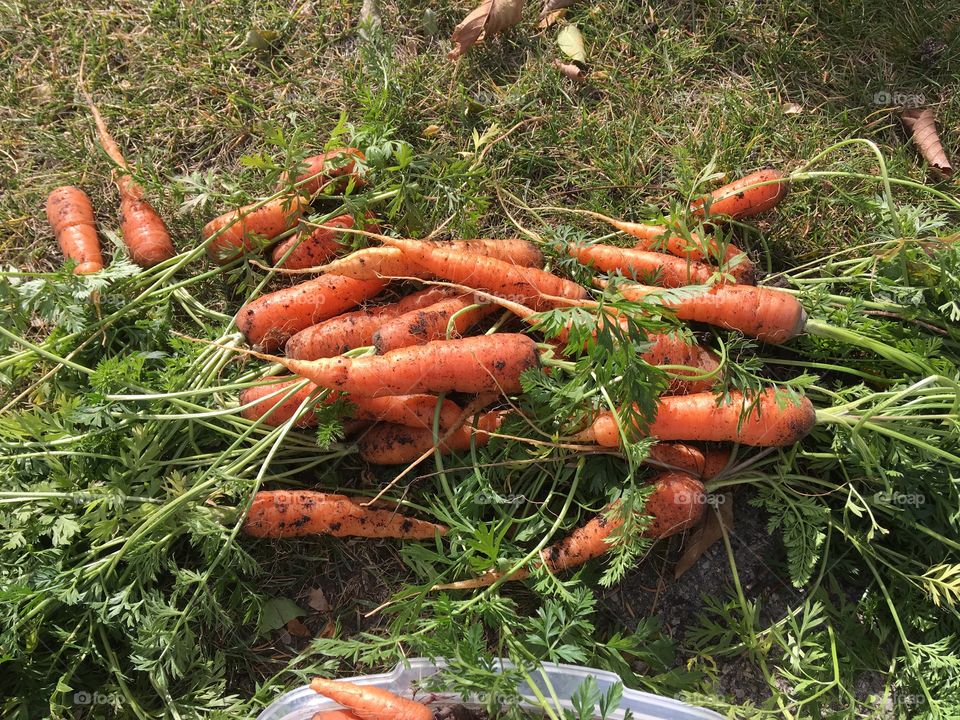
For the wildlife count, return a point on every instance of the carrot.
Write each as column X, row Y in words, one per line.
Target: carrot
column 392, row 444
column 411, row 410
column 770, row 419
column 243, row 227
column 772, row 316
column 371, row 703
column 270, row 319
column 294, row 513
column 309, row 249
column 678, row 456
column 675, row 349
column 144, row 232
column 470, row 365
column 355, row 329
column 317, row 171
column 70, row 215
column 716, row 460
column 523, row 284
column 430, row 323
column 745, row 197
column 675, row 505
column 666, row 270
column 335, row 715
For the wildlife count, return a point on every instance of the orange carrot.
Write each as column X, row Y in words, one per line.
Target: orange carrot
column 674, row 349
column 294, row 513
column 772, row 316
column 665, row 270
column 716, row 460
column 309, row 249
column 430, row 323
column 392, row 444
column 144, row 232
column 244, row 227
column 470, row 365
column 410, row 410
column 371, row 703
column 770, row 419
column 70, row 215
column 531, row 286
column 317, row 171
column 335, row 715
column 355, row 329
column 745, row 197
column 676, row 504
column 270, row 319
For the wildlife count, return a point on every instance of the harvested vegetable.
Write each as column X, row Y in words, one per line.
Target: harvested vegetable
column 660, row 269
column 456, row 314
column 272, row 318
column 355, row 329
column 240, row 230
column 295, row 513
column 702, row 464
column 393, row 444
column 309, row 249
column 750, row 195
column 317, row 171
column 70, row 215
column 371, row 703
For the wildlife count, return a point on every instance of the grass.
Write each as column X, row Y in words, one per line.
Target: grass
column 203, row 112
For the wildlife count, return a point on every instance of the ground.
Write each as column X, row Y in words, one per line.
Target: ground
column 190, row 89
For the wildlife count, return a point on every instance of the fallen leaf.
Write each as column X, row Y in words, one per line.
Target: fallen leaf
column 430, row 25
column 277, row 612
column 790, row 108
column 571, row 70
column 318, row 601
column 430, row 130
column 491, row 17
column 553, row 5
column 328, row 630
column 571, row 43
column 551, row 18
column 298, row 629
column 709, row 531
column 922, row 124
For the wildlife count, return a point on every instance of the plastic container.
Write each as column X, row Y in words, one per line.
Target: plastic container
column 302, row 703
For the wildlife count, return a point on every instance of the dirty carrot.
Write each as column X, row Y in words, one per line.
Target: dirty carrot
column 270, row 319
column 239, row 230
column 317, row 171
column 531, row 286
column 371, row 703
column 662, row 270
column 430, row 323
column 750, row 195
column 309, row 249
column 70, row 215
column 771, row 418
column 355, row 329
column 294, row 513
column 393, row 444
column 767, row 314
column 144, row 232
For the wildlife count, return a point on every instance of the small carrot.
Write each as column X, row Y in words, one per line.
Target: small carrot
column 309, row 249
column 244, row 227
column 392, row 444
column 663, row 270
column 770, row 315
column 410, row 410
column 317, row 171
column 770, row 419
column 470, row 365
column 674, row 349
column 335, row 715
column 70, row 215
column 418, row 327
column 295, row 513
column 355, row 329
column 676, row 504
column 144, row 232
column 750, row 195
column 531, row 286
column 716, row 460
column 270, row 319
column 371, row 703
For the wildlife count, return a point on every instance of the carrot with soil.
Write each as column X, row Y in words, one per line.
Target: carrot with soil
column 320, row 171
column 750, row 195
column 309, row 249
column 457, row 314
column 239, row 230
column 663, row 270
column 295, row 513
column 70, row 215
column 371, row 703
column 143, row 230
column 393, row 444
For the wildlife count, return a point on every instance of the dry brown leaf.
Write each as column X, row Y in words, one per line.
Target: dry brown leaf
column 318, row 601
column 551, row 6
column 491, row 17
column 328, row 630
column 298, row 629
column 551, row 19
column 571, row 70
column 922, row 124
column 709, row 531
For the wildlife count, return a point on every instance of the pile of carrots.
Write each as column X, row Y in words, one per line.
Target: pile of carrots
column 394, row 362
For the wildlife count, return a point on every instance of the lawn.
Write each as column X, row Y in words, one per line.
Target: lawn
column 126, row 589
